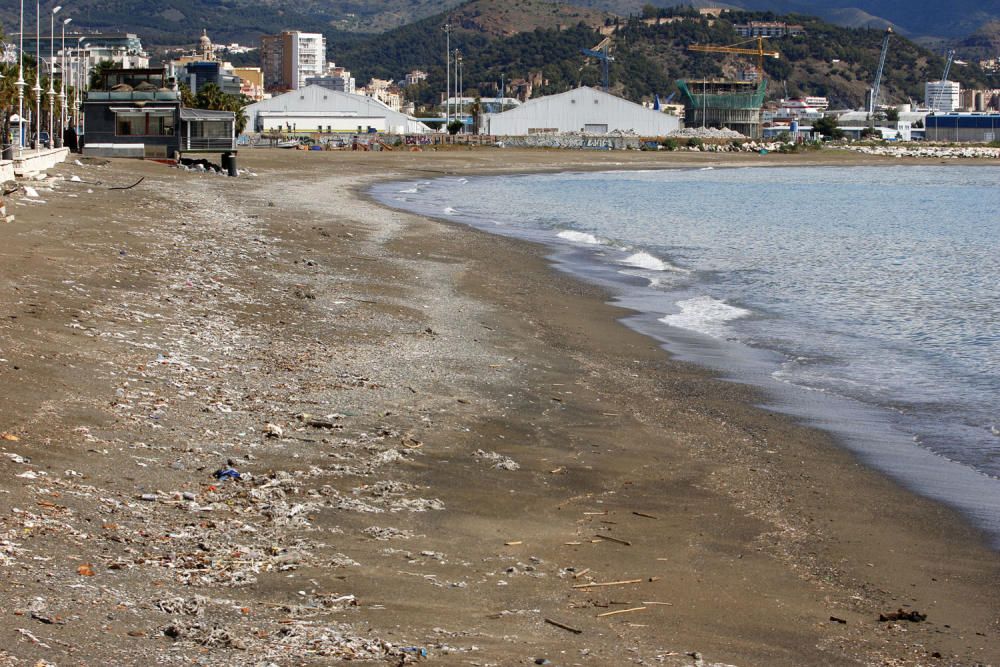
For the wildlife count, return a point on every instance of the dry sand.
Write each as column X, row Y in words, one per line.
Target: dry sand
column 441, row 442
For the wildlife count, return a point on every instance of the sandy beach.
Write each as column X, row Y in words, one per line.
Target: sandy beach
column 266, row 421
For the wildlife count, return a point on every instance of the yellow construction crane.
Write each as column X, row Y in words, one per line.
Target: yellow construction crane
column 734, row 48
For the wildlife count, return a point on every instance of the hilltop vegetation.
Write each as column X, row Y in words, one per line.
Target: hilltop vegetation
column 649, row 56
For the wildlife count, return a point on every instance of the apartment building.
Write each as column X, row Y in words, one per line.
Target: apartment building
column 291, row 57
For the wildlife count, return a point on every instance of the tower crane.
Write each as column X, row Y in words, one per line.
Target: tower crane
column 873, row 103
column 601, row 53
column 735, row 48
column 947, row 65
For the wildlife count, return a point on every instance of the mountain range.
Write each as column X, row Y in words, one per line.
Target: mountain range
column 180, row 21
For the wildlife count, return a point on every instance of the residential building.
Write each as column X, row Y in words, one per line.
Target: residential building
column 415, row 77
column 251, row 82
column 315, row 109
column 336, row 78
column 768, row 29
column 942, row 95
column 291, row 57
column 123, row 49
column 384, row 91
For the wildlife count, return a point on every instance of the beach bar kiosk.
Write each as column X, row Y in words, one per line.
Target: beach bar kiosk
column 137, row 113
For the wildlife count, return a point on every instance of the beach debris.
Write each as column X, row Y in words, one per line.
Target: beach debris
column 901, row 615
column 644, row 515
column 612, row 539
column 10, row 437
column 273, row 430
column 317, row 422
column 499, row 461
column 836, row 619
column 620, row 611
column 595, row 584
column 224, row 473
column 387, row 533
column 30, row 191
column 85, row 570
column 568, row 628
column 128, row 187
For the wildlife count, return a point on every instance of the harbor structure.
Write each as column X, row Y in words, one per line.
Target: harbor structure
column 319, row 110
column 290, row 58
column 585, row 110
column 724, row 103
column 970, row 127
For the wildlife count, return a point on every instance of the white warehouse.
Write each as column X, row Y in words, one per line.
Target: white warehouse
column 317, row 109
column 581, row 110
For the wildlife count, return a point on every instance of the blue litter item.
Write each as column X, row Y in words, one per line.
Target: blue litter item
column 422, row 652
column 222, row 474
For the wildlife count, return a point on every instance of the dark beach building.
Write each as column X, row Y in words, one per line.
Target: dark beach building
column 137, row 113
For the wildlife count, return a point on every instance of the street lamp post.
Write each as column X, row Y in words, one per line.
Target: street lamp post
column 62, row 81
column 76, row 88
column 20, row 85
column 52, row 72
column 447, row 87
column 38, row 76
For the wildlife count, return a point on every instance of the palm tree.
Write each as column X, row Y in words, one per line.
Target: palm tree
column 8, row 95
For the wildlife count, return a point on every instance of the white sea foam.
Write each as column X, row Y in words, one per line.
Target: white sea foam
column 705, row 315
column 644, row 260
column 450, row 211
column 706, row 169
column 409, row 191
column 579, row 237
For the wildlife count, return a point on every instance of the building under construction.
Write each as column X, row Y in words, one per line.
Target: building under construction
column 724, row 103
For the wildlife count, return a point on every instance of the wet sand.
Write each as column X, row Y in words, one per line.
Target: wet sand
column 442, row 442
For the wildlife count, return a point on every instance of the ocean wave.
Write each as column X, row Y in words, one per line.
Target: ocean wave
column 705, row 315
column 450, row 211
column 643, row 260
column 579, row 237
column 409, row 191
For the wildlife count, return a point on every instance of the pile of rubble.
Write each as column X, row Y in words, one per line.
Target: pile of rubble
column 706, row 133
column 943, row 152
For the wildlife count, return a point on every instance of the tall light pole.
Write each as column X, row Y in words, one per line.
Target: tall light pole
column 84, row 86
column 20, row 85
column 52, row 71
column 76, row 89
column 459, row 102
column 62, row 82
column 447, row 88
column 38, row 75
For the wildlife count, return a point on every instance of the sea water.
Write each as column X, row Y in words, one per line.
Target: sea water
column 863, row 300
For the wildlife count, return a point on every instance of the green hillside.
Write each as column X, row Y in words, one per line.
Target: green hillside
column 828, row 60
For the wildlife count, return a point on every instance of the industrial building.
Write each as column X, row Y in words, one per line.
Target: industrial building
column 584, row 110
column 962, row 127
column 942, row 95
column 315, row 109
column 724, row 103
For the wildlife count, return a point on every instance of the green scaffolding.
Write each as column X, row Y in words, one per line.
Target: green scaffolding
column 727, row 100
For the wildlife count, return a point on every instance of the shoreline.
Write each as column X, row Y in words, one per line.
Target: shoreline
column 918, row 473
column 427, row 342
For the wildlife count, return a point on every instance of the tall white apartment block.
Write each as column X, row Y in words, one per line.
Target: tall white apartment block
column 942, row 95
column 308, row 56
